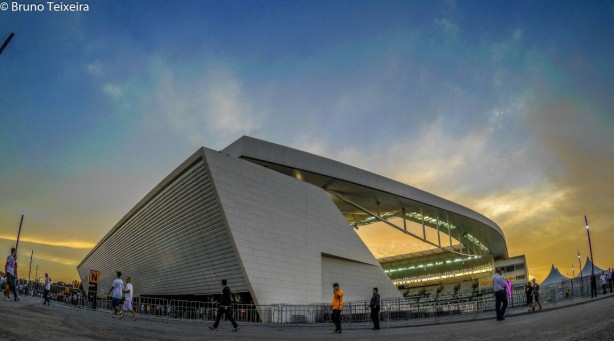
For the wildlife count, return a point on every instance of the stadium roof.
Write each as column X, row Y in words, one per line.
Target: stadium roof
column 364, row 197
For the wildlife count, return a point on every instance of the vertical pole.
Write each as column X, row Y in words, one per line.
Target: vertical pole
column 404, row 219
column 36, row 279
column 6, row 42
column 438, row 233
column 423, row 227
column 30, row 271
column 460, row 242
column 581, row 279
column 17, row 246
column 18, row 234
column 590, row 247
column 573, row 275
column 449, row 228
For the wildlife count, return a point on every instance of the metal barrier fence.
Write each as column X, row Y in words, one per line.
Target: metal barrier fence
column 404, row 311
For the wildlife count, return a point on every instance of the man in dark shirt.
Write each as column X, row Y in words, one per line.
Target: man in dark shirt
column 375, row 306
column 593, row 285
column 528, row 290
column 225, row 308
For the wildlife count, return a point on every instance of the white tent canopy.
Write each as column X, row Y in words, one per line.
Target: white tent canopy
column 554, row 276
column 586, row 270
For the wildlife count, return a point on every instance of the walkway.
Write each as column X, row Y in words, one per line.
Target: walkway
column 28, row 319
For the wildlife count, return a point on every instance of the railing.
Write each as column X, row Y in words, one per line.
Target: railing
column 403, row 311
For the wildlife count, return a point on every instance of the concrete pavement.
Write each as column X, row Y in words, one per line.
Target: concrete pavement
column 28, row 319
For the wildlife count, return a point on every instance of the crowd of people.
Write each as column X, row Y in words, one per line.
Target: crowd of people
column 533, row 291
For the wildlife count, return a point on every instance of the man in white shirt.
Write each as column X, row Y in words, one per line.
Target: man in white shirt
column 128, row 299
column 604, row 281
column 47, row 288
column 116, row 291
column 10, row 270
column 499, row 284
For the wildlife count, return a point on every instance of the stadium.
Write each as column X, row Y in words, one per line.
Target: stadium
column 281, row 226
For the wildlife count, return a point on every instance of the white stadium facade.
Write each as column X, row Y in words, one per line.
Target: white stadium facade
column 279, row 224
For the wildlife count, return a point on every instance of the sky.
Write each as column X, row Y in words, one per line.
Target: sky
column 505, row 107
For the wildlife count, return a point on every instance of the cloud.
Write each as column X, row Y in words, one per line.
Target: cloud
column 518, row 34
column 72, row 244
column 447, row 26
column 209, row 106
column 112, row 91
column 528, row 167
column 581, row 136
column 59, row 261
column 95, row 68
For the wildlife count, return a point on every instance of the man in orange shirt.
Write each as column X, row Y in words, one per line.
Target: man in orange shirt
column 337, row 306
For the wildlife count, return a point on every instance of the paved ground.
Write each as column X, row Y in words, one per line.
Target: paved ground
column 28, row 319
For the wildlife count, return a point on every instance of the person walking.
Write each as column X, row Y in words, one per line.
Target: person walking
column 456, row 290
column 225, row 308
column 116, row 291
column 6, row 287
column 47, row 289
column 609, row 274
column 604, row 281
column 536, row 292
column 499, row 286
column 375, row 307
column 566, row 289
column 439, row 291
column 337, row 307
column 11, row 273
column 129, row 292
column 474, row 288
column 593, row 285
column 528, row 290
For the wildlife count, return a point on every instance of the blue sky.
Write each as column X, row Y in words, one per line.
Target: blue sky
column 505, row 107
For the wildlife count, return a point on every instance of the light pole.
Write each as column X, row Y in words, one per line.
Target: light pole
column 30, row 270
column 581, row 279
column 590, row 247
column 6, row 42
column 573, row 275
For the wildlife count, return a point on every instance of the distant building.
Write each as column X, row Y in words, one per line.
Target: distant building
column 277, row 223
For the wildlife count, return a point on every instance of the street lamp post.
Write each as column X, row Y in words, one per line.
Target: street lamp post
column 590, row 248
column 6, row 42
column 581, row 279
column 30, row 271
column 573, row 275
